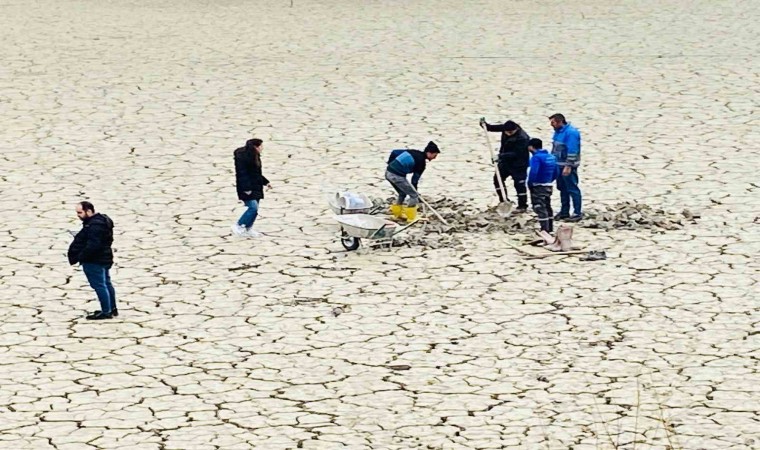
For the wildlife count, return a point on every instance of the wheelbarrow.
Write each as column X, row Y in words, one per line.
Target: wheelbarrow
column 355, row 227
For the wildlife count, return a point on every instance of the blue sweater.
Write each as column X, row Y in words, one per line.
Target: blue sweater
column 402, row 162
column 543, row 168
column 566, row 146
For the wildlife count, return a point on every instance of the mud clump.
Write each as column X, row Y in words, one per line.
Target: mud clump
column 631, row 215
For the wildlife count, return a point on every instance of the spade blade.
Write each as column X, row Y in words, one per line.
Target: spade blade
column 504, row 209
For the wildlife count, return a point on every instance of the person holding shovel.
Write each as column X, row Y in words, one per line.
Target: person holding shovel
column 401, row 163
column 512, row 159
column 543, row 172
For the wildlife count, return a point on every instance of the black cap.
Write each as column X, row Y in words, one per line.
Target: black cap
column 510, row 126
column 431, row 148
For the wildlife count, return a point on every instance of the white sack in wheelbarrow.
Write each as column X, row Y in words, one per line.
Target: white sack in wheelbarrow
column 350, row 200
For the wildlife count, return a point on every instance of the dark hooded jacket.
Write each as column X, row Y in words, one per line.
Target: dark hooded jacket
column 93, row 242
column 514, row 149
column 248, row 176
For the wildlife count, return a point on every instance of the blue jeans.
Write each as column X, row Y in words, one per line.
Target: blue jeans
column 567, row 185
column 250, row 214
column 100, row 280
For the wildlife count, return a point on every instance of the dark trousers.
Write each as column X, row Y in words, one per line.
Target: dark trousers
column 518, row 174
column 100, row 281
column 567, row 185
column 403, row 188
column 541, row 198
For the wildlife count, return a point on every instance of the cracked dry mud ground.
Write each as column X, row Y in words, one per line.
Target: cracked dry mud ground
column 286, row 342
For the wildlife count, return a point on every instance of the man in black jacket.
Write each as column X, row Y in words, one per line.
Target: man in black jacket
column 250, row 184
column 92, row 249
column 513, row 159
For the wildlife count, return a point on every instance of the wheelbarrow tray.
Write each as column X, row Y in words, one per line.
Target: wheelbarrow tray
column 366, row 226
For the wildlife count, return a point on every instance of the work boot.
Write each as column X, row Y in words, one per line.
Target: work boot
column 99, row 316
column 397, row 211
column 114, row 312
column 411, row 213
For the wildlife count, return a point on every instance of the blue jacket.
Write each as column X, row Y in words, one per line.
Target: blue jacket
column 566, row 146
column 402, row 162
column 543, row 168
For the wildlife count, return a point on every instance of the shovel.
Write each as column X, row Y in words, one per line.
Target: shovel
column 431, row 208
column 505, row 208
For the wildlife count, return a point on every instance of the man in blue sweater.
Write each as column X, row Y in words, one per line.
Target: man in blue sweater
column 566, row 147
column 401, row 163
column 543, row 172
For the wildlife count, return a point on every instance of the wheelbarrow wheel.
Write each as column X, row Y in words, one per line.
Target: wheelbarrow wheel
column 350, row 243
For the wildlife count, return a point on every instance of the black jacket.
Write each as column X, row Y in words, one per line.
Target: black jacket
column 93, row 242
column 402, row 165
column 248, row 175
column 514, row 149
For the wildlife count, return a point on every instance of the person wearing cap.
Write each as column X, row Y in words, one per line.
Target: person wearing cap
column 401, row 163
column 543, row 172
column 512, row 160
column 566, row 147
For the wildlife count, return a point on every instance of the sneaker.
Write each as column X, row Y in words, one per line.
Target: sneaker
column 114, row 313
column 238, row 230
column 99, row 316
column 595, row 255
column 575, row 218
column 520, row 210
column 251, row 233
column 561, row 216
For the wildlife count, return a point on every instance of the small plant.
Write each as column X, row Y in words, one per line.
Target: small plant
column 610, row 433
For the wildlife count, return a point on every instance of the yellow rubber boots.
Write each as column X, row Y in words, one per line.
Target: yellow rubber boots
column 397, row 211
column 411, row 213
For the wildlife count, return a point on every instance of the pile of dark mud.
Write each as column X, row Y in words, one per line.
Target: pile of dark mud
column 631, row 215
column 464, row 219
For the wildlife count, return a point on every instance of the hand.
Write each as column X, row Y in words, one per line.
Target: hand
column 247, row 192
column 566, row 171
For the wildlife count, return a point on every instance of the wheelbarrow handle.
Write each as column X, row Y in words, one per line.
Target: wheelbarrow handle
column 405, row 227
column 377, row 231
